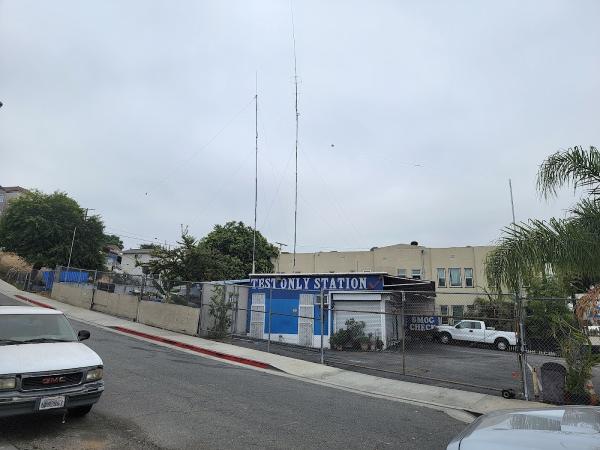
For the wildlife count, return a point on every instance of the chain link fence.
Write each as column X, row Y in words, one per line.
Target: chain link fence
column 475, row 341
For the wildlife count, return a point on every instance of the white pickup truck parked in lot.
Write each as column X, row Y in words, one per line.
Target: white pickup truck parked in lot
column 43, row 366
column 476, row 331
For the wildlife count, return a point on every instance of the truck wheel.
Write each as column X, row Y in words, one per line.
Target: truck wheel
column 80, row 411
column 445, row 338
column 501, row 344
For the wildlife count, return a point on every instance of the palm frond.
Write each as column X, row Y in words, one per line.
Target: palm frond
column 528, row 249
column 574, row 167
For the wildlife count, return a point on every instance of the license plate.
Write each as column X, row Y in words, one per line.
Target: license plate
column 52, row 402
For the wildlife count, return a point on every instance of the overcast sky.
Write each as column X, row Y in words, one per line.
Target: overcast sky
column 413, row 114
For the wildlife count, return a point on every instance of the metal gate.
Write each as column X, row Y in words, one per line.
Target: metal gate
column 257, row 316
column 306, row 313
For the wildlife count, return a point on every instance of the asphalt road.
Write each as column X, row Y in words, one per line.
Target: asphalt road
column 157, row 397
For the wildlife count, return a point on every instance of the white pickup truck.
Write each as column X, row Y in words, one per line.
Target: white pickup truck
column 476, row 331
column 43, row 364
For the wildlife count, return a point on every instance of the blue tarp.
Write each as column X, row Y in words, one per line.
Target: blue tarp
column 73, row 277
column 48, row 278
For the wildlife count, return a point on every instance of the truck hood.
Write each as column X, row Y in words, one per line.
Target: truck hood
column 45, row 357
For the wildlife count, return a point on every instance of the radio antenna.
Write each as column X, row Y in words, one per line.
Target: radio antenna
column 255, row 171
column 296, row 153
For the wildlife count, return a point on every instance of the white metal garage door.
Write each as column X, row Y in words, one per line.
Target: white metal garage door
column 368, row 312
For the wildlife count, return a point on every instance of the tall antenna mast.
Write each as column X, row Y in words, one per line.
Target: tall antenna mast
column 255, row 172
column 297, row 115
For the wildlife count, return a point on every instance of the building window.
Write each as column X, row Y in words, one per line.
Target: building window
column 441, row 277
column 416, row 274
column 402, row 273
column 457, row 312
column 444, row 313
column 455, row 277
column 1, row 198
column 468, row 277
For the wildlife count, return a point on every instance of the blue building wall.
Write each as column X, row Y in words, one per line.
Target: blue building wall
column 282, row 294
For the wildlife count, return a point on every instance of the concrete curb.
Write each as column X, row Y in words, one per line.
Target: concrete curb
column 34, row 302
column 195, row 348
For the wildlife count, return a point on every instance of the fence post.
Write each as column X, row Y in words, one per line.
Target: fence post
column 234, row 312
column 94, row 289
column 270, row 309
column 521, row 353
column 402, row 320
column 322, row 312
column 142, row 286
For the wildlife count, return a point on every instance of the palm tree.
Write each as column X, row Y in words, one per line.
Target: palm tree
column 568, row 246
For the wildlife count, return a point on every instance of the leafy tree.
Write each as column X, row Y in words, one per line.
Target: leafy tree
column 39, row 228
column 497, row 311
column 234, row 239
column 569, row 246
column 151, row 246
column 219, row 308
column 113, row 239
column 192, row 260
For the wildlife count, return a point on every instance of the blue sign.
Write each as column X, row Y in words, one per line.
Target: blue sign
column 421, row 323
column 326, row 283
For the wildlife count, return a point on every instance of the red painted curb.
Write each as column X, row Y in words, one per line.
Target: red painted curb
column 35, row 302
column 238, row 359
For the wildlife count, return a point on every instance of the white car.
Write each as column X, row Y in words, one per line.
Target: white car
column 575, row 427
column 476, row 331
column 43, row 366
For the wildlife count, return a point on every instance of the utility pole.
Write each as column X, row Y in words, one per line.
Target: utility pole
column 521, row 312
column 281, row 244
column 71, row 251
column 73, row 239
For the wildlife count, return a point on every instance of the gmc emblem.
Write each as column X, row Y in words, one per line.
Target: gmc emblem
column 53, row 380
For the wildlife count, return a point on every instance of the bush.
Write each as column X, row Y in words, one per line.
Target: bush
column 349, row 337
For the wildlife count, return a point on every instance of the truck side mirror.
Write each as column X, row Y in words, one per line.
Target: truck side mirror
column 83, row 335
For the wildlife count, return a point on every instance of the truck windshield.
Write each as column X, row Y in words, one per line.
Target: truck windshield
column 29, row 328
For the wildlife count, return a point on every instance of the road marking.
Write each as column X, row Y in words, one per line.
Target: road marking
column 35, row 302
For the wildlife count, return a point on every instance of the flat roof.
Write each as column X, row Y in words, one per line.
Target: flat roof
column 4, row 310
column 309, row 274
column 138, row 251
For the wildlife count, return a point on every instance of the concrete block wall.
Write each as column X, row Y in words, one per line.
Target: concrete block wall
column 72, row 294
column 168, row 316
column 172, row 317
column 121, row 305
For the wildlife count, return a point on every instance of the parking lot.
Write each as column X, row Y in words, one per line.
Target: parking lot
column 459, row 366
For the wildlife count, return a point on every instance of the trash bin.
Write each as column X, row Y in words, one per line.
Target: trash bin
column 553, row 382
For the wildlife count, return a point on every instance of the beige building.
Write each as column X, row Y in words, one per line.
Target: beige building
column 458, row 272
column 8, row 193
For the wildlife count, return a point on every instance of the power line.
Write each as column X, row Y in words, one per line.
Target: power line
column 169, row 174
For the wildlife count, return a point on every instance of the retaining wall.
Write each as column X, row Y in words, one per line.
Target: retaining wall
column 72, row 294
column 178, row 318
column 122, row 305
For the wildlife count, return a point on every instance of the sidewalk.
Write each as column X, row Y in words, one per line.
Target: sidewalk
column 432, row 396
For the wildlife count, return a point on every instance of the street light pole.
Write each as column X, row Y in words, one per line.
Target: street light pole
column 71, row 252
